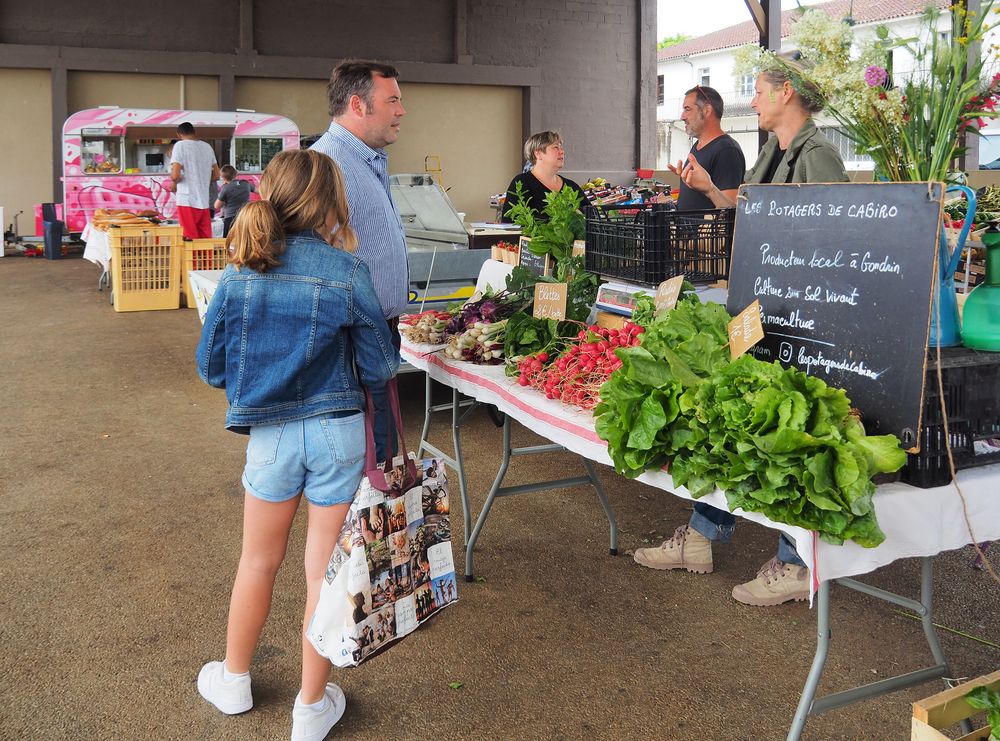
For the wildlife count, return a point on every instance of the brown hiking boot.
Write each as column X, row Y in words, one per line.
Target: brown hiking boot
column 776, row 582
column 687, row 549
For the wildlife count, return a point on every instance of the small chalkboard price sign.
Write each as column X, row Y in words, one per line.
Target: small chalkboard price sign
column 537, row 264
column 844, row 274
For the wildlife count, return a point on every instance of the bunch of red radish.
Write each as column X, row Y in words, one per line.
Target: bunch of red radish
column 575, row 377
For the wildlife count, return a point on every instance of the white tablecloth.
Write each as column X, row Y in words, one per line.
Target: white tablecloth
column 203, row 285
column 916, row 522
column 493, row 274
column 96, row 246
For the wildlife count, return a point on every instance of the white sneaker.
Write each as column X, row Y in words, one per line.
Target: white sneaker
column 229, row 697
column 314, row 725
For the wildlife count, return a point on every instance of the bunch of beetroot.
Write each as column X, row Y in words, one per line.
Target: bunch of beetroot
column 493, row 307
column 576, row 375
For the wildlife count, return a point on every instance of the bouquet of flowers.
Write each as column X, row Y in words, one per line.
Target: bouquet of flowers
column 910, row 125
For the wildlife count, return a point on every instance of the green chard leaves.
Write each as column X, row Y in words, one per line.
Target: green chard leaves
column 774, row 439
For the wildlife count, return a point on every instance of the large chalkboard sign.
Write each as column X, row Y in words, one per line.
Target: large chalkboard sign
column 844, row 273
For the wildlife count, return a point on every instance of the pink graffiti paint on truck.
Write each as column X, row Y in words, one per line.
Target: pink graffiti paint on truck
column 116, row 157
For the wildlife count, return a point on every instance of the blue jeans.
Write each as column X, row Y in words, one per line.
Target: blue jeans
column 383, row 416
column 321, row 457
column 717, row 524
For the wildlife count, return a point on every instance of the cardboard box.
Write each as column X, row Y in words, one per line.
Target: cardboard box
column 607, row 320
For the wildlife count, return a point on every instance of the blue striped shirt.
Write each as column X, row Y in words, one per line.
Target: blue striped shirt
column 374, row 216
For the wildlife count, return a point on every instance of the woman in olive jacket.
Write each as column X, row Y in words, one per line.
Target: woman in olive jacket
column 797, row 153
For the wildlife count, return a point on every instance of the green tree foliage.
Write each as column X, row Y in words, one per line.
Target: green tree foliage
column 672, row 40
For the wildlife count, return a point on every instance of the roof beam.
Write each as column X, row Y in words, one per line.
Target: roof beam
column 759, row 17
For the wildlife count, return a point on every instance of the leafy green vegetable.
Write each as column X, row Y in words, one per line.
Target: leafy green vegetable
column 983, row 698
column 525, row 335
column 776, row 440
column 521, row 213
column 644, row 309
column 785, row 444
column 581, row 288
column 675, row 350
column 552, row 232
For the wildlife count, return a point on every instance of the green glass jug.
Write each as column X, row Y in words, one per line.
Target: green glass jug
column 981, row 315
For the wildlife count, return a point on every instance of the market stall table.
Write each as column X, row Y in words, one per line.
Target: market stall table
column 97, row 249
column 917, row 522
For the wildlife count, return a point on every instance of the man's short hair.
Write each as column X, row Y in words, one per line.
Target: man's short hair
column 704, row 94
column 185, row 129
column 355, row 77
column 229, row 172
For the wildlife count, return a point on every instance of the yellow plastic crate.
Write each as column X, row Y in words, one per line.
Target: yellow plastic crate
column 145, row 267
column 201, row 254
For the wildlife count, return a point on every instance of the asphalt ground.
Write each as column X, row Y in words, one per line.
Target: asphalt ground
column 120, row 506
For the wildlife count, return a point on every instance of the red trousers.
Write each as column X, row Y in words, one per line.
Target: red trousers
column 196, row 223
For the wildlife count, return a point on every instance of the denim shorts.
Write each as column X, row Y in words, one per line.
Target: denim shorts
column 323, row 457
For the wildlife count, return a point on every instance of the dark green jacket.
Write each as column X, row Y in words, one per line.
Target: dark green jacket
column 813, row 160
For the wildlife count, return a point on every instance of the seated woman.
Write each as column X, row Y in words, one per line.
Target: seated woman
column 544, row 151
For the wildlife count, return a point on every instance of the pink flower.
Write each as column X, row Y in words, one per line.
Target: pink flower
column 876, row 76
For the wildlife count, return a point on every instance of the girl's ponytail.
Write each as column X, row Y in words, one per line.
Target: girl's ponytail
column 256, row 238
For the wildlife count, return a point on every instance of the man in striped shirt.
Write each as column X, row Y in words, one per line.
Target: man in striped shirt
column 366, row 107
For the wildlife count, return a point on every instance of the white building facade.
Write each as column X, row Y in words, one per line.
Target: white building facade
column 708, row 60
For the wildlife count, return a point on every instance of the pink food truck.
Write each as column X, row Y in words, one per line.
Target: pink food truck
column 117, row 157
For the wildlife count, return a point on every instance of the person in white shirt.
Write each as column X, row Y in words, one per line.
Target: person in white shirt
column 192, row 167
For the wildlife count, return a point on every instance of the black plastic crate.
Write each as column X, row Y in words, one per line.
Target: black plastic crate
column 649, row 243
column 972, row 402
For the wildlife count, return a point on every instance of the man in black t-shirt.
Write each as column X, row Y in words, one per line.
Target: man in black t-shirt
column 717, row 152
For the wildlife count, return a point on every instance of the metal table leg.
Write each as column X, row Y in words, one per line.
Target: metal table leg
column 496, row 490
column 455, row 462
column 456, row 439
column 809, row 704
column 822, row 646
column 612, row 522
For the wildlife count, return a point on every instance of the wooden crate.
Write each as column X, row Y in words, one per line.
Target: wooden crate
column 947, row 708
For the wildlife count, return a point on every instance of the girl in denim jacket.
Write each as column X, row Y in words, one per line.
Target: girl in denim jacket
column 292, row 332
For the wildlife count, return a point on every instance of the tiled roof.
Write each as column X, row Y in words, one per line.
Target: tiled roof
column 863, row 11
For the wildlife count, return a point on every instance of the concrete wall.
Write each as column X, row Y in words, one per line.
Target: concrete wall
column 26, row 160
column 137, row 90
column 473, row 130
column 135, row 24
column 303, row 101
column 586, row 52
column 399, row 30
column 483, row 74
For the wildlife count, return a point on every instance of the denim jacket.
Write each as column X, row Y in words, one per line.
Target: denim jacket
column 284, row 344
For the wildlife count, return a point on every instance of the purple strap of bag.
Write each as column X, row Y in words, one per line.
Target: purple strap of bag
column 379, row 477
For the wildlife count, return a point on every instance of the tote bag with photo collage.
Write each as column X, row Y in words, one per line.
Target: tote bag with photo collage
column 392, row 567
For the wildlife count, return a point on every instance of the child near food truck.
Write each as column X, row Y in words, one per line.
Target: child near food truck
column 294, row 315
column 233, row 195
